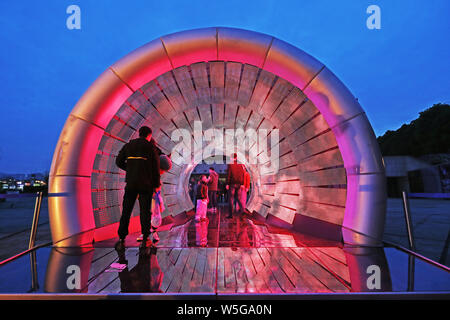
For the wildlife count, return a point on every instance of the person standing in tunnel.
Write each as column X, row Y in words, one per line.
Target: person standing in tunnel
column 244, row 190
column 202, row 199
column 235, row 181
column 213, row 183
column 140, row 159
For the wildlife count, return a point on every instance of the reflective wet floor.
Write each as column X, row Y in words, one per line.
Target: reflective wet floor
column 222, row 256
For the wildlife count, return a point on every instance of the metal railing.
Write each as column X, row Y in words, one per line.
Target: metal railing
column 37, row 209
column 408, row 221
column 33, row 232
column 34, row 226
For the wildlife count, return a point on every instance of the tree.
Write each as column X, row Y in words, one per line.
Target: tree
column 428, row 134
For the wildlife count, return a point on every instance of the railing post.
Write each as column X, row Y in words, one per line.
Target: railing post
column 34, row 276
column 37, row 210
column 408, row 221
column 411, row 272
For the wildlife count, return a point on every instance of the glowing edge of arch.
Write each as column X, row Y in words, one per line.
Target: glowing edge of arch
column 77, row 145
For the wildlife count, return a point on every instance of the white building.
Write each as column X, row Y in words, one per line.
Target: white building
column 406, row 173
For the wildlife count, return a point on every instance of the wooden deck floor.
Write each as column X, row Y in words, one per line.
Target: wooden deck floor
column 221, row 256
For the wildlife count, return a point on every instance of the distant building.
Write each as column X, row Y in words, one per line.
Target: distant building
column 203, row 168
column 406, row 173
column 22, row 182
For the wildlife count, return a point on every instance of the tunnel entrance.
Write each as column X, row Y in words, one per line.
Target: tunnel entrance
column 303, row 137
column 222, row 170
column 309, row 179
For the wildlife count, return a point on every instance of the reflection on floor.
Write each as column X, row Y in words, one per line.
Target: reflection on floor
column 225, row 270
column 225, row 255
column 222, row 256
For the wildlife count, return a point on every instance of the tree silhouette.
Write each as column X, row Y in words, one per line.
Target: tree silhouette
column 428, row 134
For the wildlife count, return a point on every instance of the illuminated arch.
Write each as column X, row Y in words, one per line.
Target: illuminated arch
column 329, row 151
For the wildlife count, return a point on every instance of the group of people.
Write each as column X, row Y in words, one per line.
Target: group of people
column 140, row 158
column 205, row 191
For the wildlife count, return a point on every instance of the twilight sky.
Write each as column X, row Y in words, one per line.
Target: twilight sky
column 395, row 72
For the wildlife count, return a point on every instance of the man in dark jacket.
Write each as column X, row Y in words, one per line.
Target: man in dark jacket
column 235, row 181
column 140, row 159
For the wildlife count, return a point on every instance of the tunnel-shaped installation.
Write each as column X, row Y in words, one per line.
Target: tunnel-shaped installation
column 329, row 175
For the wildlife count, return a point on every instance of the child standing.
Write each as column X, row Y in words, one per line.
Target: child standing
column 202, row 199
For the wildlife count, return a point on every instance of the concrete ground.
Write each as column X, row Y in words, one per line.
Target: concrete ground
column 16, row 216
column 431, row 226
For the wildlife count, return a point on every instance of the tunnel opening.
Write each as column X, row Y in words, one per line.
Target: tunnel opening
column 320, row 165
column 310, row 177
column 221, row 169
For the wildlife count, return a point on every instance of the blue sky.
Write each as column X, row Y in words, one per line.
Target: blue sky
column 395, row 72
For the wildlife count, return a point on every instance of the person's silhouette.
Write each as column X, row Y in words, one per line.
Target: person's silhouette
column 146, row 276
